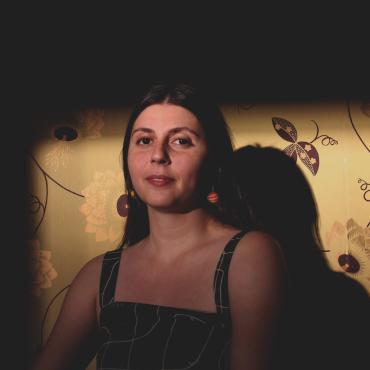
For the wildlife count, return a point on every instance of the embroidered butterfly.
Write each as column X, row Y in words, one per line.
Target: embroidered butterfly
column 304, row 150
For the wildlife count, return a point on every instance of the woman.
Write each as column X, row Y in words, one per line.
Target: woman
column 175, row 295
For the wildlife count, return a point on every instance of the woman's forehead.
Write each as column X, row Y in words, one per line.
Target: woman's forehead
column 167, row 116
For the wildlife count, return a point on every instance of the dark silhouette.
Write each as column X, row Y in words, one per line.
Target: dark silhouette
column 326, row 320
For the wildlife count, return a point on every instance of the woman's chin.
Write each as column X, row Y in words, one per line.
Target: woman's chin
column 171, row 207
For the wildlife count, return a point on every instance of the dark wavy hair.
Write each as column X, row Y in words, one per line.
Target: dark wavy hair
column 217, row 168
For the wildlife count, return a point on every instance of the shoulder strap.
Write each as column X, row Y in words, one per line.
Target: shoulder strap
column 220, row 282
column 108, row 277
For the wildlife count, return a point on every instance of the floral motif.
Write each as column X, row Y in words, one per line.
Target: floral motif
column 88, row 124
column 359, row 236
column 41, row 268
column 303, row 150
column 100, row 207
column 349, row 240
column 298, row 149
column 59, row 155
column 285, row 129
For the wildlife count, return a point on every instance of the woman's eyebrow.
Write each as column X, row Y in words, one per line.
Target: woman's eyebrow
column 144, row 129
column 183, row 128
column 171, row 131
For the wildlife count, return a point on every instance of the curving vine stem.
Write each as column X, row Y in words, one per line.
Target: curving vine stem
column 363, row 187
column 46, row 314
column 354, row 127
column 53, row 180
column 326, row 140
column 35, row 201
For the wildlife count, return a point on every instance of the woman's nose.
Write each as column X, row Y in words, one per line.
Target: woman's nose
column 160, row 154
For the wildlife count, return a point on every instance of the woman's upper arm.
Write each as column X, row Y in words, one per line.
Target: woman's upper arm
column 256, row 292
column 72, row 336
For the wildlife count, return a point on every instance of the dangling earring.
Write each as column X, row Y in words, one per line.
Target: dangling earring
column 212, row 197
column 122, row 205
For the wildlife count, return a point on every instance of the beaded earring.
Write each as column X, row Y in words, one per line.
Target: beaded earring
column 123, row 203
column 213, row 196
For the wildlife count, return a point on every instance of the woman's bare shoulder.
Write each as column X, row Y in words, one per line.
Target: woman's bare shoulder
column 257, row 261
column 92, row 266
column 256, row 245
column 256, row 290
column 90, row 271
column 76, row 321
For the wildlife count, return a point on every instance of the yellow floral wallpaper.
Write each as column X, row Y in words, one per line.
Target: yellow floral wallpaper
column 76, row 186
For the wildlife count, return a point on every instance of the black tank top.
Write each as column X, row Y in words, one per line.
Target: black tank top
column 140, row 336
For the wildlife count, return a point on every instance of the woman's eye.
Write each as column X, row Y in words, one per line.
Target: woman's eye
column 182, row 141
column 143, row 141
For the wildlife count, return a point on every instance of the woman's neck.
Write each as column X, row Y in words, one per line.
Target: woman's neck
column 172, row 234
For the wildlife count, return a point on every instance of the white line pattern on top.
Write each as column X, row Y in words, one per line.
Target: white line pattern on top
column 201, row 341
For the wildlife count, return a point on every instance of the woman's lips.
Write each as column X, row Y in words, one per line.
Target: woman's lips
column 159, row 180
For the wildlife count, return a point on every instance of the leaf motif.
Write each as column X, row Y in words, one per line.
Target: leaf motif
column 285, row 129
column 357, row 237
column 352, row 224
column 367, row 240
column 355, row 234
column 291, row 151
column 309, row 156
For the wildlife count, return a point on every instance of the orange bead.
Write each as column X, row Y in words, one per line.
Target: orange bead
column 212, row 197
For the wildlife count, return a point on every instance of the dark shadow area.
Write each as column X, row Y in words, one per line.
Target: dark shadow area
column 277, row 58
column 326, row 319
column 14, row 261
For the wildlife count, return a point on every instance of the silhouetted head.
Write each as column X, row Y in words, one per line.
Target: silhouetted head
column 279, row 200
column 326, row 312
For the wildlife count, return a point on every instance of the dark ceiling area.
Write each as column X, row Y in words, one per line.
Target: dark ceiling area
column 100, row 80
column 71, row 70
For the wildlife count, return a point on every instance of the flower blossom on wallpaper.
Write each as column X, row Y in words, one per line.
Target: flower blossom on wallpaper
column 41, row 269
column 100, row 207
column 59, row 155
column 349, row 247
column 88, row 125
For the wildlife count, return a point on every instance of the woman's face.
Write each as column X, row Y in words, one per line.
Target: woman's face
column 166, row 152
